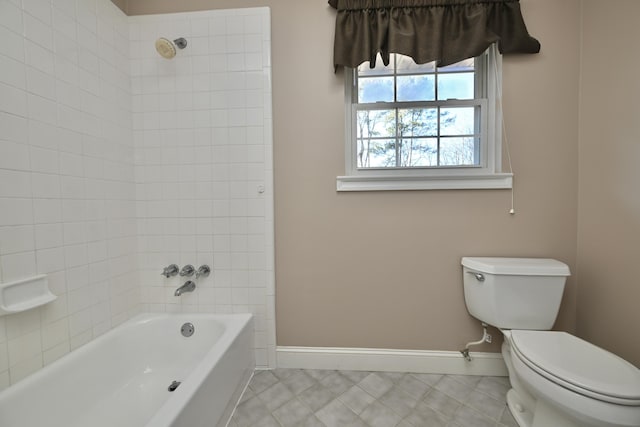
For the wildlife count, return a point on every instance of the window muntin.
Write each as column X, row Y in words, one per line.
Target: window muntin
column 406, row 116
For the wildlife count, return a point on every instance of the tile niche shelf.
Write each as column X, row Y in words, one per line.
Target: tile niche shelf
column 24, row 294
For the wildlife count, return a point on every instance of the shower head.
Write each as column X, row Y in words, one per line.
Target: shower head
column 167, row 48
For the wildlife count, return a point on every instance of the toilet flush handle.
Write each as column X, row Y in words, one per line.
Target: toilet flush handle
column 479, row 276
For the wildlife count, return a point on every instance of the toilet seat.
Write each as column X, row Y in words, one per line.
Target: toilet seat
column 578, row 366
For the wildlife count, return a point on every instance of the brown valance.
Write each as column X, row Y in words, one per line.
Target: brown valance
column 446, row 31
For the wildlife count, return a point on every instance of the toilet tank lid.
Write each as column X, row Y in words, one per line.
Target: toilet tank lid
column 517, row 266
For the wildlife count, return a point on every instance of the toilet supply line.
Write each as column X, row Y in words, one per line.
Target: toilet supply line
column 486, row 337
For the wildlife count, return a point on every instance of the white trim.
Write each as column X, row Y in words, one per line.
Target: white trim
column 442, row 182
column 487, row 175
column 386, row 360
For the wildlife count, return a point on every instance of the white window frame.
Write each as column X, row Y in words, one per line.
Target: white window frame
column 487, row 175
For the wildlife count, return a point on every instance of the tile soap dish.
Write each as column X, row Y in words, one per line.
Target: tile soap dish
column 24, row 294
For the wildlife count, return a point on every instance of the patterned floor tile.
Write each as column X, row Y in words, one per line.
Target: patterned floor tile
column 376, row 385
column 250, row 412
column 423, row 416
column 326, row 398
column 275, row 396
column 378, row 415
column 486, row 404
column 494, row 387
column 356, row 399
column 336, row 414
column 355, row 376
column 453, row 388
column 399, row 401
column 298, row 381
column 316, row 396
column 469, row 417
column 413, row 387
column 262, row 380
column 441, row 403
column 292, row 413
column 336, row 383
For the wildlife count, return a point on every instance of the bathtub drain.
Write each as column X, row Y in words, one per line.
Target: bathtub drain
column 174, row 385
column 187, row 329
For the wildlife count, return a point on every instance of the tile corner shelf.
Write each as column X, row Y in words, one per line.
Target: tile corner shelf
column 24, row 294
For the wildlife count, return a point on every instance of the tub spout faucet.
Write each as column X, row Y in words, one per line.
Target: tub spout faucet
column 171, row 270
column 188, row 286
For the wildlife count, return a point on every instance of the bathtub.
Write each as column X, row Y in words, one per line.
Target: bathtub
column 122, row 378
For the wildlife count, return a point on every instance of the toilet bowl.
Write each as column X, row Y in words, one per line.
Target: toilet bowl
column 562, row 381
column 557, row 379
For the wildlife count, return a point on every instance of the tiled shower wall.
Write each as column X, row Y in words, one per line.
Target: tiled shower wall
column 204, row 178
column 67, row 194
column 74, row 205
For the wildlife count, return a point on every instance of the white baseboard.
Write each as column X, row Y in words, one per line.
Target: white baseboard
column 367, row 359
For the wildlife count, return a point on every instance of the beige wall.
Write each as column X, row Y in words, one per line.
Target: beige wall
column 382, row 269
column 122, row 4
column 609, row 209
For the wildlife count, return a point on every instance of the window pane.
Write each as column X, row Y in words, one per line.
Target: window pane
column 406, row 65
column 458, row 151
column 376, row 123
column 416, row 152
column 418, row 122
column 457, row 121
column 417, row 88
column 456, row 86
column 380, row 69
column 464, row 65
column 375, row 89
column 376, row 153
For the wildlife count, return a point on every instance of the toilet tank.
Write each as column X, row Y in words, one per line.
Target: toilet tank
column 514, row 293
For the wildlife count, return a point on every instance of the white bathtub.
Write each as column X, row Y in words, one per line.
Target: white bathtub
column 121, row 378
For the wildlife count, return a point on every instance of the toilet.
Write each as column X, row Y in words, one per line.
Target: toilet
column 557, row 379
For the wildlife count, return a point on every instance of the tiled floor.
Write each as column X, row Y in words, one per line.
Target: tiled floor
column 294, row 397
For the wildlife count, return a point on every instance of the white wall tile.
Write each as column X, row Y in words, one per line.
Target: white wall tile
column 14, row 128
column 16, row 211
column 44, row 160
column 46, row 211
column 16, row 239
column 48, row 236
column 50, row 260
column 12, row 100
column 25, row 368
column 24, row 347
column 45, row 185
column 39, row 57
column 14, row 184
column 11, row 16
column 40, row 83
column 54, row 353
column 42, row 134
column 42, row 110
column 13, row 72
column 55, row 333
column 12, row 43
column 37, row 31
column 4, row 357
column 70, row 76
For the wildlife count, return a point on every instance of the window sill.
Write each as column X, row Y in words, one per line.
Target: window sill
column 443, row 182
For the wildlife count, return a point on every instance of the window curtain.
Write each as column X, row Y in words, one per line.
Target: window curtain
column 446, row 31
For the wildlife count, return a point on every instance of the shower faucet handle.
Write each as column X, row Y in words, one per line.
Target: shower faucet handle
column 187, row 270
column 170, row 270
column 203, row 270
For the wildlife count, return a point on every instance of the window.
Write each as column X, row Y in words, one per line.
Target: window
column 415, row 126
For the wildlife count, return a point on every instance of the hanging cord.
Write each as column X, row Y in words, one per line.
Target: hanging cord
column 505, row 138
